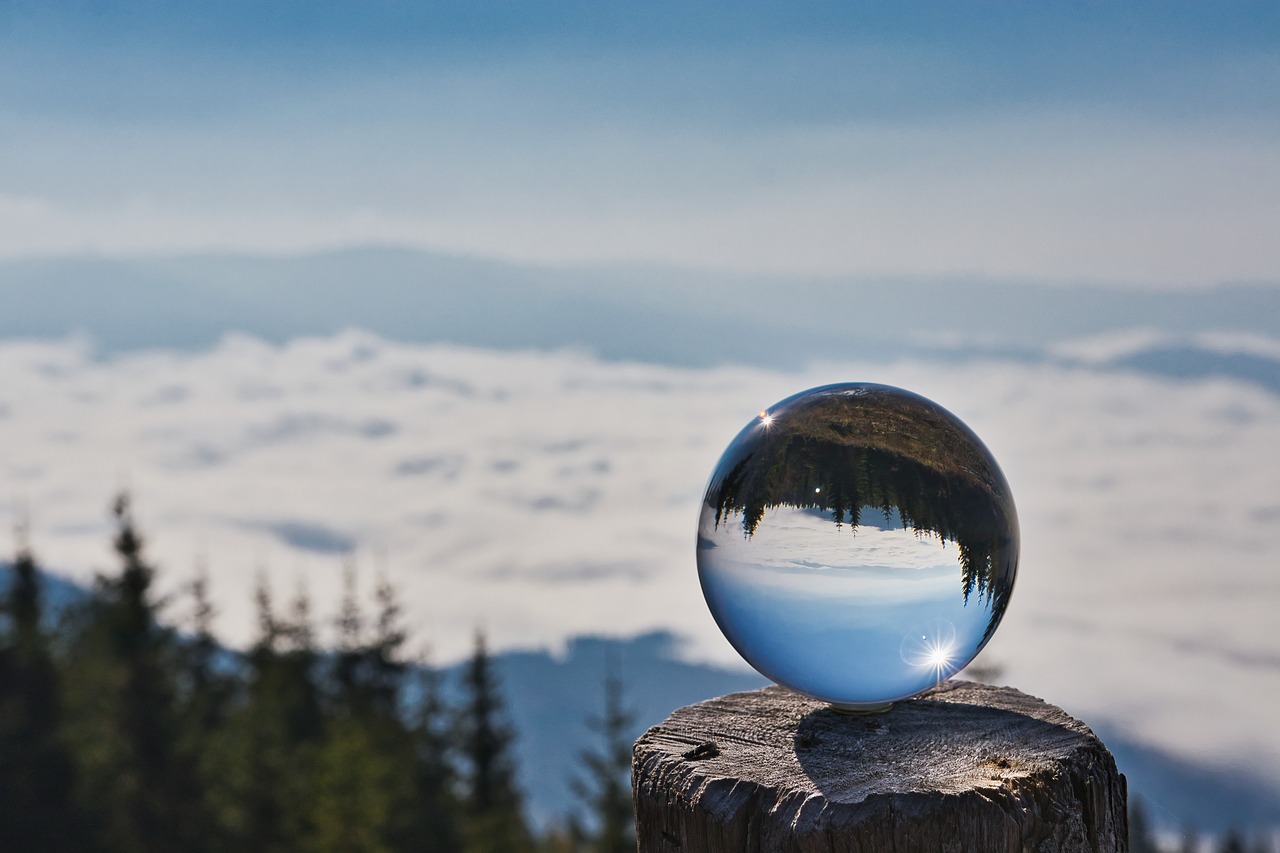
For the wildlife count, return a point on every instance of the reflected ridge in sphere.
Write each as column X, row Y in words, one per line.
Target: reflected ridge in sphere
column 857, row 543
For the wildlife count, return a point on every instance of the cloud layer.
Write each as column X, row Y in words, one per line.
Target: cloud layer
column 543, row 495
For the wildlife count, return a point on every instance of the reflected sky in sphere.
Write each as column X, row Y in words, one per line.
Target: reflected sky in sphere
column 857, row 543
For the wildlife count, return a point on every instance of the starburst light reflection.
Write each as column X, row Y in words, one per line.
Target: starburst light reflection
column 932, row 648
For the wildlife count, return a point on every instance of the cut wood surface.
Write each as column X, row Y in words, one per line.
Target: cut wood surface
column 966, row 767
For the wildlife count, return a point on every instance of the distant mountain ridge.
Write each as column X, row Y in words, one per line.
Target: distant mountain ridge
column 645, row 313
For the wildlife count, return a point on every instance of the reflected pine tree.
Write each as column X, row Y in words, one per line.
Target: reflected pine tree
column 838, row 452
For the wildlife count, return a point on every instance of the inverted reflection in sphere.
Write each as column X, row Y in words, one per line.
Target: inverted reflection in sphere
column 857, row 543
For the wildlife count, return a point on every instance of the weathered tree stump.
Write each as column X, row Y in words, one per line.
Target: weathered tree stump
column 966, row 767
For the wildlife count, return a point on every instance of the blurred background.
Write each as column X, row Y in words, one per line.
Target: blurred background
column 446, row 311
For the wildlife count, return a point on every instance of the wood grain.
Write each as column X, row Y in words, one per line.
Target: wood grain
column 967, row 767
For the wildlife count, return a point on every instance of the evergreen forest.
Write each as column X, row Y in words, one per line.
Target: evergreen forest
column 119, row 732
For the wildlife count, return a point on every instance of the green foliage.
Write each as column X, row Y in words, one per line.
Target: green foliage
column 606, row 792
column 37, row 773
column 269, row 743
column 493, row 822
column 124, row 712
column 351, row 802
column 121, row 733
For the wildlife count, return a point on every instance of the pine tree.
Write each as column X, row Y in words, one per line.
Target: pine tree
column 366, row 793
column 123, row 709
column 493, row 819
column 271, row 742
column 211, row 691
column 435, row 812
column 367, row 671
column 387, row 669
column 37, row 772
column 382, row 779
column 352, row 804
column 607, row 790
column 349, row 661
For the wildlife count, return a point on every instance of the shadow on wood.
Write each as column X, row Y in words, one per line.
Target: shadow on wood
column 966, row 767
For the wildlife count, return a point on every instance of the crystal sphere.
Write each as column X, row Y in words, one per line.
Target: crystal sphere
column 858, row 544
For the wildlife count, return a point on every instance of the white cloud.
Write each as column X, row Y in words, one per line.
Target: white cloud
column 1238, row 343
column 1116, row 345
column 1099, row 349
column 566, row 501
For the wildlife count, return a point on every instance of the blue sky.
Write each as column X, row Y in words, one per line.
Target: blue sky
column 1117, row 144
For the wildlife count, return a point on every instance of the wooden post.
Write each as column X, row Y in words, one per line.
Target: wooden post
column 967, row 767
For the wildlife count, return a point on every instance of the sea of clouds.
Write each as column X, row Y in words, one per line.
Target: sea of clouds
column 542, row 495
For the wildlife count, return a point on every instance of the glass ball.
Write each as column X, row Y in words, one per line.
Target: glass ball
column 858, row 544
